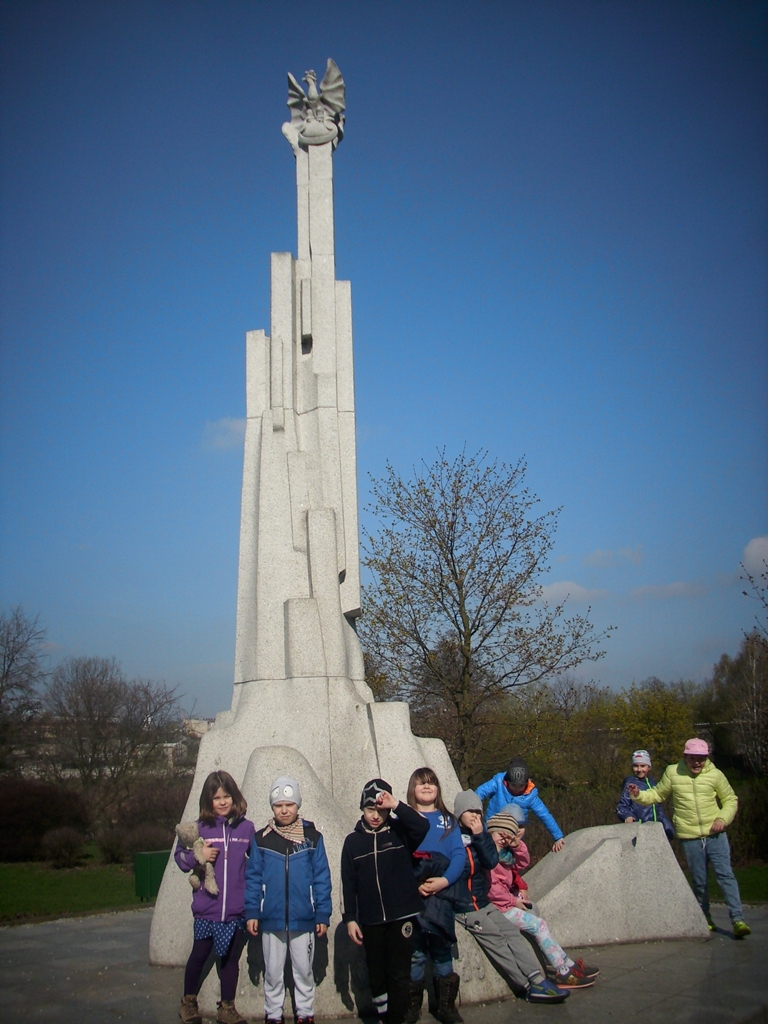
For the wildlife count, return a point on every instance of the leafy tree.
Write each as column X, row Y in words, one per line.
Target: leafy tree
column 738, row 703
column 455, row 616
column 107, row 731
column 21, row 671
column 659, row 717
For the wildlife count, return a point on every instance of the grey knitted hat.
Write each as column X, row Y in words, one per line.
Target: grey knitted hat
column 516, row 811
column 467, row 800
column 284, row 788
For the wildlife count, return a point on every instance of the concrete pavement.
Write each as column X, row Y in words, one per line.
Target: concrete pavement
column 94, row 970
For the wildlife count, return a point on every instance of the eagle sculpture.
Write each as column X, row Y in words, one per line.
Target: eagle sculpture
column 318, row 116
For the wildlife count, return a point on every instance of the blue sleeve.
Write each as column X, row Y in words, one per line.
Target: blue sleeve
column 625, row 808
column 322, row 884
column 539, row 809
column 454, row 850
column 669, row 828
column 254, row 870
column 487, row 789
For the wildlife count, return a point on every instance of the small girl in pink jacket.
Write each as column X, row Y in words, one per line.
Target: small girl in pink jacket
column 509, row 894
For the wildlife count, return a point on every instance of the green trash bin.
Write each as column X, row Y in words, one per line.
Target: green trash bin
column 148, row 870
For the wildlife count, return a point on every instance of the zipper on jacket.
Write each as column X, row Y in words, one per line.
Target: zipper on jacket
column 226, row 863
column 376, row 872
column 287, row 884
column 696, row 802
column 469, row 879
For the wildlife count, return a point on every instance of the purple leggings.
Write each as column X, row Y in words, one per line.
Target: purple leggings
column 228, row 966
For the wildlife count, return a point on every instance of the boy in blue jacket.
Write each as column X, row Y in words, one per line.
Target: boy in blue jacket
column 514, row 786
column 628, row 810
column 288, row 899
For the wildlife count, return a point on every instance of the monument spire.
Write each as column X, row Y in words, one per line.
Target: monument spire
column 300, row 702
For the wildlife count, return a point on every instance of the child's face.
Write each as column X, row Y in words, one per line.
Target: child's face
column 640, row 771
column 695, row 762
column 473, row 820
column 222, row 802
column 516, row 788
column 375, row 816
column 285, row 812
column 425, row 793
column 505, row 840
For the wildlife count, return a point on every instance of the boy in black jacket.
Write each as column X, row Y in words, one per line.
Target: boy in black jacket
column 381, row 895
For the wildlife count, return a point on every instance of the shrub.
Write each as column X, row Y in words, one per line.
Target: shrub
column 118, row 845
column 36, row 809
column 748, row 835
column 157, row 802
column 63, row 847
column 572, row 808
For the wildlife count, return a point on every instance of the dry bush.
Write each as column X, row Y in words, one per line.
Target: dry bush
column 63, row 847
column 36, row 808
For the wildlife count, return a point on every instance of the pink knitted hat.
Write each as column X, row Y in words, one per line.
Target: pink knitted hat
column 697, row 747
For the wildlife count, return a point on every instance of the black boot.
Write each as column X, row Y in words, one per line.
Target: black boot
column 447, row 990
column 415, row 996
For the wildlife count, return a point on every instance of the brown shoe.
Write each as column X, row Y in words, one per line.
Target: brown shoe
column 228, row 1014
column 189, row 1012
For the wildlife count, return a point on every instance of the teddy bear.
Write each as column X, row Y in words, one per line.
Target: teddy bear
column 202, row 873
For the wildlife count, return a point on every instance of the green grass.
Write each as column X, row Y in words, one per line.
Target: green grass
column 36, row 890
column 753, row 884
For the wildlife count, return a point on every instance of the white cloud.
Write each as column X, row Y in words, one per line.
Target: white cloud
column 555, row 593
column 755, row 554
column 665, row 591
column 600, row 559
column 223, row 434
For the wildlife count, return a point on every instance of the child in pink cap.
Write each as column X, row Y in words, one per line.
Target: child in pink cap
column 695, row 786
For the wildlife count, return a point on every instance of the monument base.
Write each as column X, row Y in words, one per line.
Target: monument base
column 348, row 740
column 615, row 883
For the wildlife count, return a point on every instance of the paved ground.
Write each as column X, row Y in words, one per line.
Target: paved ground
column 93, row 970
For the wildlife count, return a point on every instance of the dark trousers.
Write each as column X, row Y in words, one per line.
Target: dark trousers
column 228, row 966
column 388, row 949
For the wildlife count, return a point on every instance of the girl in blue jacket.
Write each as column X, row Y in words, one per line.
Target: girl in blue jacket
column 514, row 786
column 443, row 838
column 288, row 899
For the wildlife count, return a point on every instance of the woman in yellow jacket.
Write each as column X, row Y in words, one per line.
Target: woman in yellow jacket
column 695, row 786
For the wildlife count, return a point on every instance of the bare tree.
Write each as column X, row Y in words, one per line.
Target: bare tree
column 21, row 671
column 758, row 585
column 455, row 616
column 106, row 730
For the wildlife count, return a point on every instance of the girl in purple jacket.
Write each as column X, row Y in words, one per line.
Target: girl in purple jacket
column 219, row 920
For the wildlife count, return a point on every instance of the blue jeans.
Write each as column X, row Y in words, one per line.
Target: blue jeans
column 426, row 944
column 714, row 850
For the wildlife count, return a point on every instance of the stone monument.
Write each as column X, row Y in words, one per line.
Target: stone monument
column 301, row 705
column 616, row 883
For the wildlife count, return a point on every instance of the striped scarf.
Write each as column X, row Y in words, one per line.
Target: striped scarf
column 294, row 832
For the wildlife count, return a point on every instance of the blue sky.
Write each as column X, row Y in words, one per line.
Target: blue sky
column 553, row 216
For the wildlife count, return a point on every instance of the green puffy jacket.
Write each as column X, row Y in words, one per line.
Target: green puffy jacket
column 694, row 798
